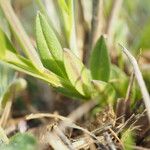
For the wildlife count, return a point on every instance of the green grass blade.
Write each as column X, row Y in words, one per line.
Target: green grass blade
column 99, row 61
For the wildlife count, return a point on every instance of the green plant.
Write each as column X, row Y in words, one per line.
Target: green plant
column 20, row 141
column 55, row 58
column 61, row 68
column 9, row 84
column 127, row 139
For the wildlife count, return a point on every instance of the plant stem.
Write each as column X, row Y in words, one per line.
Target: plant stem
column 95, row 26
column 95, row 21
column 19, row 32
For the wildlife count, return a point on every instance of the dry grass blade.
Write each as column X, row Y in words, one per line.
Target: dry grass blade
column 116, row 137
column 55, row 138
column 83, row 109
column 56, row 142
column 129, row 90
column 96, row 20
column 112, row 19
column 127, row 100
column 6, row 113
column 42, row 115
column 81, row 143
column 62, row 136
column 96, row 25
column 82, row 29
column 3, row 136
column 145, row 67
column 109, row 141
column 65, row 123
column 140, row 80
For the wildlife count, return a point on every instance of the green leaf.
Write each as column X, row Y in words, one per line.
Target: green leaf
column 5, row 43
column 16, row 61
column 50, row 39
column 119, row 80
column 71, row 92
column 64, row 6
column 15, row 86
column 43, row 49
column 20, row 142
column 77, row 73
column 22, row 64
column 8, row 81
column 104, row 91
column 99, row 61
column 127, row 139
